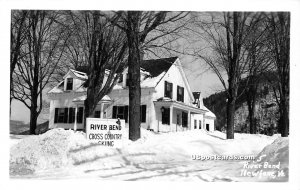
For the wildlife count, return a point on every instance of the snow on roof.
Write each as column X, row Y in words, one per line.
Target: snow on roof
column 157, row 66
column 82, row 98
column 59, row 88
column 79, row 74
column 152, row 81
column 209, row 113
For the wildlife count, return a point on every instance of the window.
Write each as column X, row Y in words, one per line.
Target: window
column 168, row 89
column 122, row 113
column 184, row 119
column 143, row 110
column 97, row 114
column 166, row 116
column 195, row 124
column 80, row 115
column 61, row 115
column 67, row 115
column 180, row 94
column 69, row 84
column 200, row 124
column 71, row 115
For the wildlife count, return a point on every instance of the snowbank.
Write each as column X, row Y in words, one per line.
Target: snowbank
column 44, row 151
column 57, row 148
column 153, row 156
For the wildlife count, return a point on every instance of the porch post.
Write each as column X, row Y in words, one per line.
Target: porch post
column 101, row 110
column 75, row 122
column 189, row 120
column 171, row 117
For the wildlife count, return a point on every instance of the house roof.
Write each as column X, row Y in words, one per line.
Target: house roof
column 154, row 69
column 157, row 66
column 78, row 74
column 209, row 113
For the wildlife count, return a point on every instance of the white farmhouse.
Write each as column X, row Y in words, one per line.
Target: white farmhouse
column 167, row 102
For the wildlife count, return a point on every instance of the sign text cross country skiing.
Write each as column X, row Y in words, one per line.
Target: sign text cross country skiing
column 106, row 132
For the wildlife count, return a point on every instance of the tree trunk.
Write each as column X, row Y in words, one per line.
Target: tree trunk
column 284, row 124
column 252, row 125
column 251, row 99
column 33, row 117
column 89, row 107
column 133, row 25
column 230, row 118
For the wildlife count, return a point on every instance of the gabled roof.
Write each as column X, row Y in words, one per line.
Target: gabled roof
column 155, row 70
column 77, row 74
column 157, row 66
column 209, row 113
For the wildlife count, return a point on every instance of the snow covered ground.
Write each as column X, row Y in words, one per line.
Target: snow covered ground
column 180, row 156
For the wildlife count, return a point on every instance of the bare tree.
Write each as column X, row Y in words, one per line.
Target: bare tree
column 279, row 28
column 100, row 46
column 142, row 30
column 258, row 59
column 225, row 35
column 40, row 54
column 17, row 36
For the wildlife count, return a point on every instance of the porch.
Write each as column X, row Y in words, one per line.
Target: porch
column 175, row 116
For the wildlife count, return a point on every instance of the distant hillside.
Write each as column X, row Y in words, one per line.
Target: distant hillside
column 266, row 110
column 19, row 128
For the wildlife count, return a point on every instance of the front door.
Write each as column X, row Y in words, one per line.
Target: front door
column 207, row 127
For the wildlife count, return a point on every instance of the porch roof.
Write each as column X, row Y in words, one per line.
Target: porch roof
column 179, row 105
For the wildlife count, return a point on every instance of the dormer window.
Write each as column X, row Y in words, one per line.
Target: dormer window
column 69, row 84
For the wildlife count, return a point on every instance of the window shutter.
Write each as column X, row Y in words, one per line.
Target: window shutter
column 166, row 83
column 171, row 93
column 66, row 115
column 56, row 115
column 178, row 96
column 184, row 119
column 114, row 115
column 79, row 115
column 182, row 94
column 70, row 115
column 126, row 114
column 168, row 115
column 143, row 113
